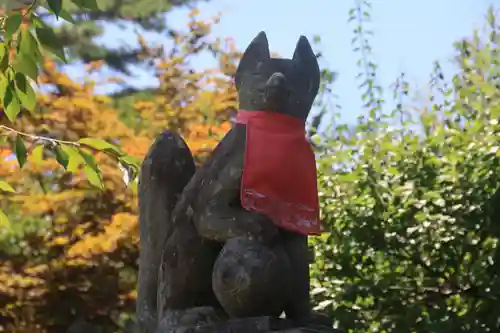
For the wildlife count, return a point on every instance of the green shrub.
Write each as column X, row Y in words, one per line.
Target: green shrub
column 410, row 201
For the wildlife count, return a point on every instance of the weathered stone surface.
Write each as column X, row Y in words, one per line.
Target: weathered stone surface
column 165, row 171
column 251, row 270
column 245, row 325
column 203, row 258
column 241, row 325
column 189, row 318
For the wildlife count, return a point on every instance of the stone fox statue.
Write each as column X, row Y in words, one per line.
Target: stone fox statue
column 232, row 235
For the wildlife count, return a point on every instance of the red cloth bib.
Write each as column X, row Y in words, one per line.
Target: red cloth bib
column 279, row 174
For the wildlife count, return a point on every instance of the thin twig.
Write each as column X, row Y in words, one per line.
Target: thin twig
column 55, row 142
column 43, row 138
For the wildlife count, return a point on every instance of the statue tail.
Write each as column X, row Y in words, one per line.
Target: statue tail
column 165, row 171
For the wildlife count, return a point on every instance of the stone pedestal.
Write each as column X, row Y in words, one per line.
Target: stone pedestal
column 247, row 325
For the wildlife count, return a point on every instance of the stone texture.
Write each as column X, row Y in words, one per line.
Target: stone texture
column 199, row 249
column 246, row 325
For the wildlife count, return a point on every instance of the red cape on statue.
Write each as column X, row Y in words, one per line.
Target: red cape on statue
column 279, row 173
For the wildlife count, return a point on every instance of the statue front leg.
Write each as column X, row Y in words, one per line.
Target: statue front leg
column 298, row 308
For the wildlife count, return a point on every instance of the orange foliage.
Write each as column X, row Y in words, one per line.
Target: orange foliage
column 198, row 102
column 72, row 249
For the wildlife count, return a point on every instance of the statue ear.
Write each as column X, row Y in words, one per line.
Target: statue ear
column 256, row 52
column 306, row 60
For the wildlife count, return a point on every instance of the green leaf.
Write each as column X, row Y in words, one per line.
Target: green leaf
column 4, row 83
column 93, row 176
column 28, row 44
column 91, row 169
column 25, row 92
column 61, row 156
column 89, row 159
column 21, row 151
column 129, row 172
column 4, row 220
column 55, row 6
column 29, row 48
column 133, row 185
column 50, row 42
column 131, row 160
column 101, row 145
column 4, row 60
column 75, row 159
column 130, row 166
column 62, row 12
column 12, row 24
column 10, row 102
column 66, row 16
column 4, row 186
column 26, row 65
column 37, row 154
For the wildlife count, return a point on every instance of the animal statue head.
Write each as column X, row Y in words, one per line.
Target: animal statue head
column 286, row 86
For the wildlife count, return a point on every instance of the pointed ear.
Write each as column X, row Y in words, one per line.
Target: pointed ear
column 305, row 58
column 256, row 52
